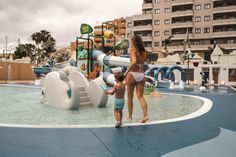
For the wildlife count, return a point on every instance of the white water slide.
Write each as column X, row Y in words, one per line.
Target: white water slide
column 69, row 88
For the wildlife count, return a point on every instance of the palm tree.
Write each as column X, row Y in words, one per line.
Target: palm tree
column 25, row 50
column 45, row 44
column 167, row 42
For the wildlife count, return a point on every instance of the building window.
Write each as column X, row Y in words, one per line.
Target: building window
column 231, row 41
column 156, row 33
column 167, row 33
column 197, row 7
column 157, row 22
column 166, row 0
column 207, row 6
column 198, row 19
column 207, row 30
column 157, row 1
column 197, row 42
column 167, row 10
column 157, row 11
column 206, row 18
column 167, row 21
column 197, row 30
column 156, row 44
column 130, row 24
column 232, row 75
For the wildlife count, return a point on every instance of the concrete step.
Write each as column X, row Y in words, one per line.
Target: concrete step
column 83, row 94
column 82, row 89
column 84, row 99
column 86, row 103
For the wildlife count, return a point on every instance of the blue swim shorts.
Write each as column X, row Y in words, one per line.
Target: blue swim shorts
column 119, row 104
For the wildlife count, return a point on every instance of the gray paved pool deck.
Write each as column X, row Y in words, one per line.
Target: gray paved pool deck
column 210, row 135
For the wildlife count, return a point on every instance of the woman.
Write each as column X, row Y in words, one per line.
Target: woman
column 135, row 77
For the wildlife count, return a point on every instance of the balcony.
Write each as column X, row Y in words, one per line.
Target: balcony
column 182, row 13
column 142, row 28
column 180, row 48
column 109, row 44
column 181, row 2
column 182, row 25
column 147, row 38
column 224, row 9
column 147, row 6
column 142, row 17
column 122, row 31
column 224, row 22
column 181, row 36
column 122, row 25
column 97, row 39
column 200, row 47
column 149, row 49
column 97, row 32
column 224, row 34
column 231, row 46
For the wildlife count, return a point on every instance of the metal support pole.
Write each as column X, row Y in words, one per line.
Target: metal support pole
column 103, row 42
column 76, row 51
column 188, row 69
column 5, row 65
column 88, row 57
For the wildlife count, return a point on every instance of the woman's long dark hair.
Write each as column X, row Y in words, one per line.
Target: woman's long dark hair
column 138, row 43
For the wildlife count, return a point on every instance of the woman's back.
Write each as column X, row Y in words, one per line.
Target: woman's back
column 138, row 59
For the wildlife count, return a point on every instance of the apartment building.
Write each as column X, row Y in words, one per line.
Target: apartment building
column 117, row 26
column 206, row 21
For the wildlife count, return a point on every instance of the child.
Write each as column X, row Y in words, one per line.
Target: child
column 119, row 90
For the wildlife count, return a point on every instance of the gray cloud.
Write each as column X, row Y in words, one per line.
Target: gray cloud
column 21, row 18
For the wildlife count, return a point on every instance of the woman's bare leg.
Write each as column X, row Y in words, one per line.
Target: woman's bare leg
column 142, row 101
column 130, row 89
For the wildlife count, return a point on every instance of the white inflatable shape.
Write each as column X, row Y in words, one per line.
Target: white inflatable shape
column 97, row 95
column 119, row 61
column 116, row 70
column 62, row 89
column 56, row 87
column 111, row 79
column 79, row 79
column 171, row 85
column 100, row 58
column 181, row 84
column 202, row 89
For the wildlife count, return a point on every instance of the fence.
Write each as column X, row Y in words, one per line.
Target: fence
column 10, row 71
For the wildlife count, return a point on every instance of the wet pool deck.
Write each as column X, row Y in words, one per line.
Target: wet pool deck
column 210, row 135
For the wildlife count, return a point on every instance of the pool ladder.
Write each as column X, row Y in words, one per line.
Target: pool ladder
column 84, row 98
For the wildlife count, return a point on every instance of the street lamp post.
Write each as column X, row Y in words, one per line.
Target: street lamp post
column 5, row 64
column 188, row 57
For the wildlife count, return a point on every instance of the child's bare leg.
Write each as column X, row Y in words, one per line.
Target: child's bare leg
column 116, row 113
column 120, row 116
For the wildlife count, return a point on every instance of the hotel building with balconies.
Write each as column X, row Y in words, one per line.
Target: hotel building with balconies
column 207, row 22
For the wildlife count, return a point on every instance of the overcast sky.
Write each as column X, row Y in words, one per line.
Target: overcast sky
column 21, row 18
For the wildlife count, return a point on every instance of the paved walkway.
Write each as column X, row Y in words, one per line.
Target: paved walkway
column 17, row 81
column 212, row 134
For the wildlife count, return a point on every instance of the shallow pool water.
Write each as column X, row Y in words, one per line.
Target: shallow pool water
column 20, row 105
